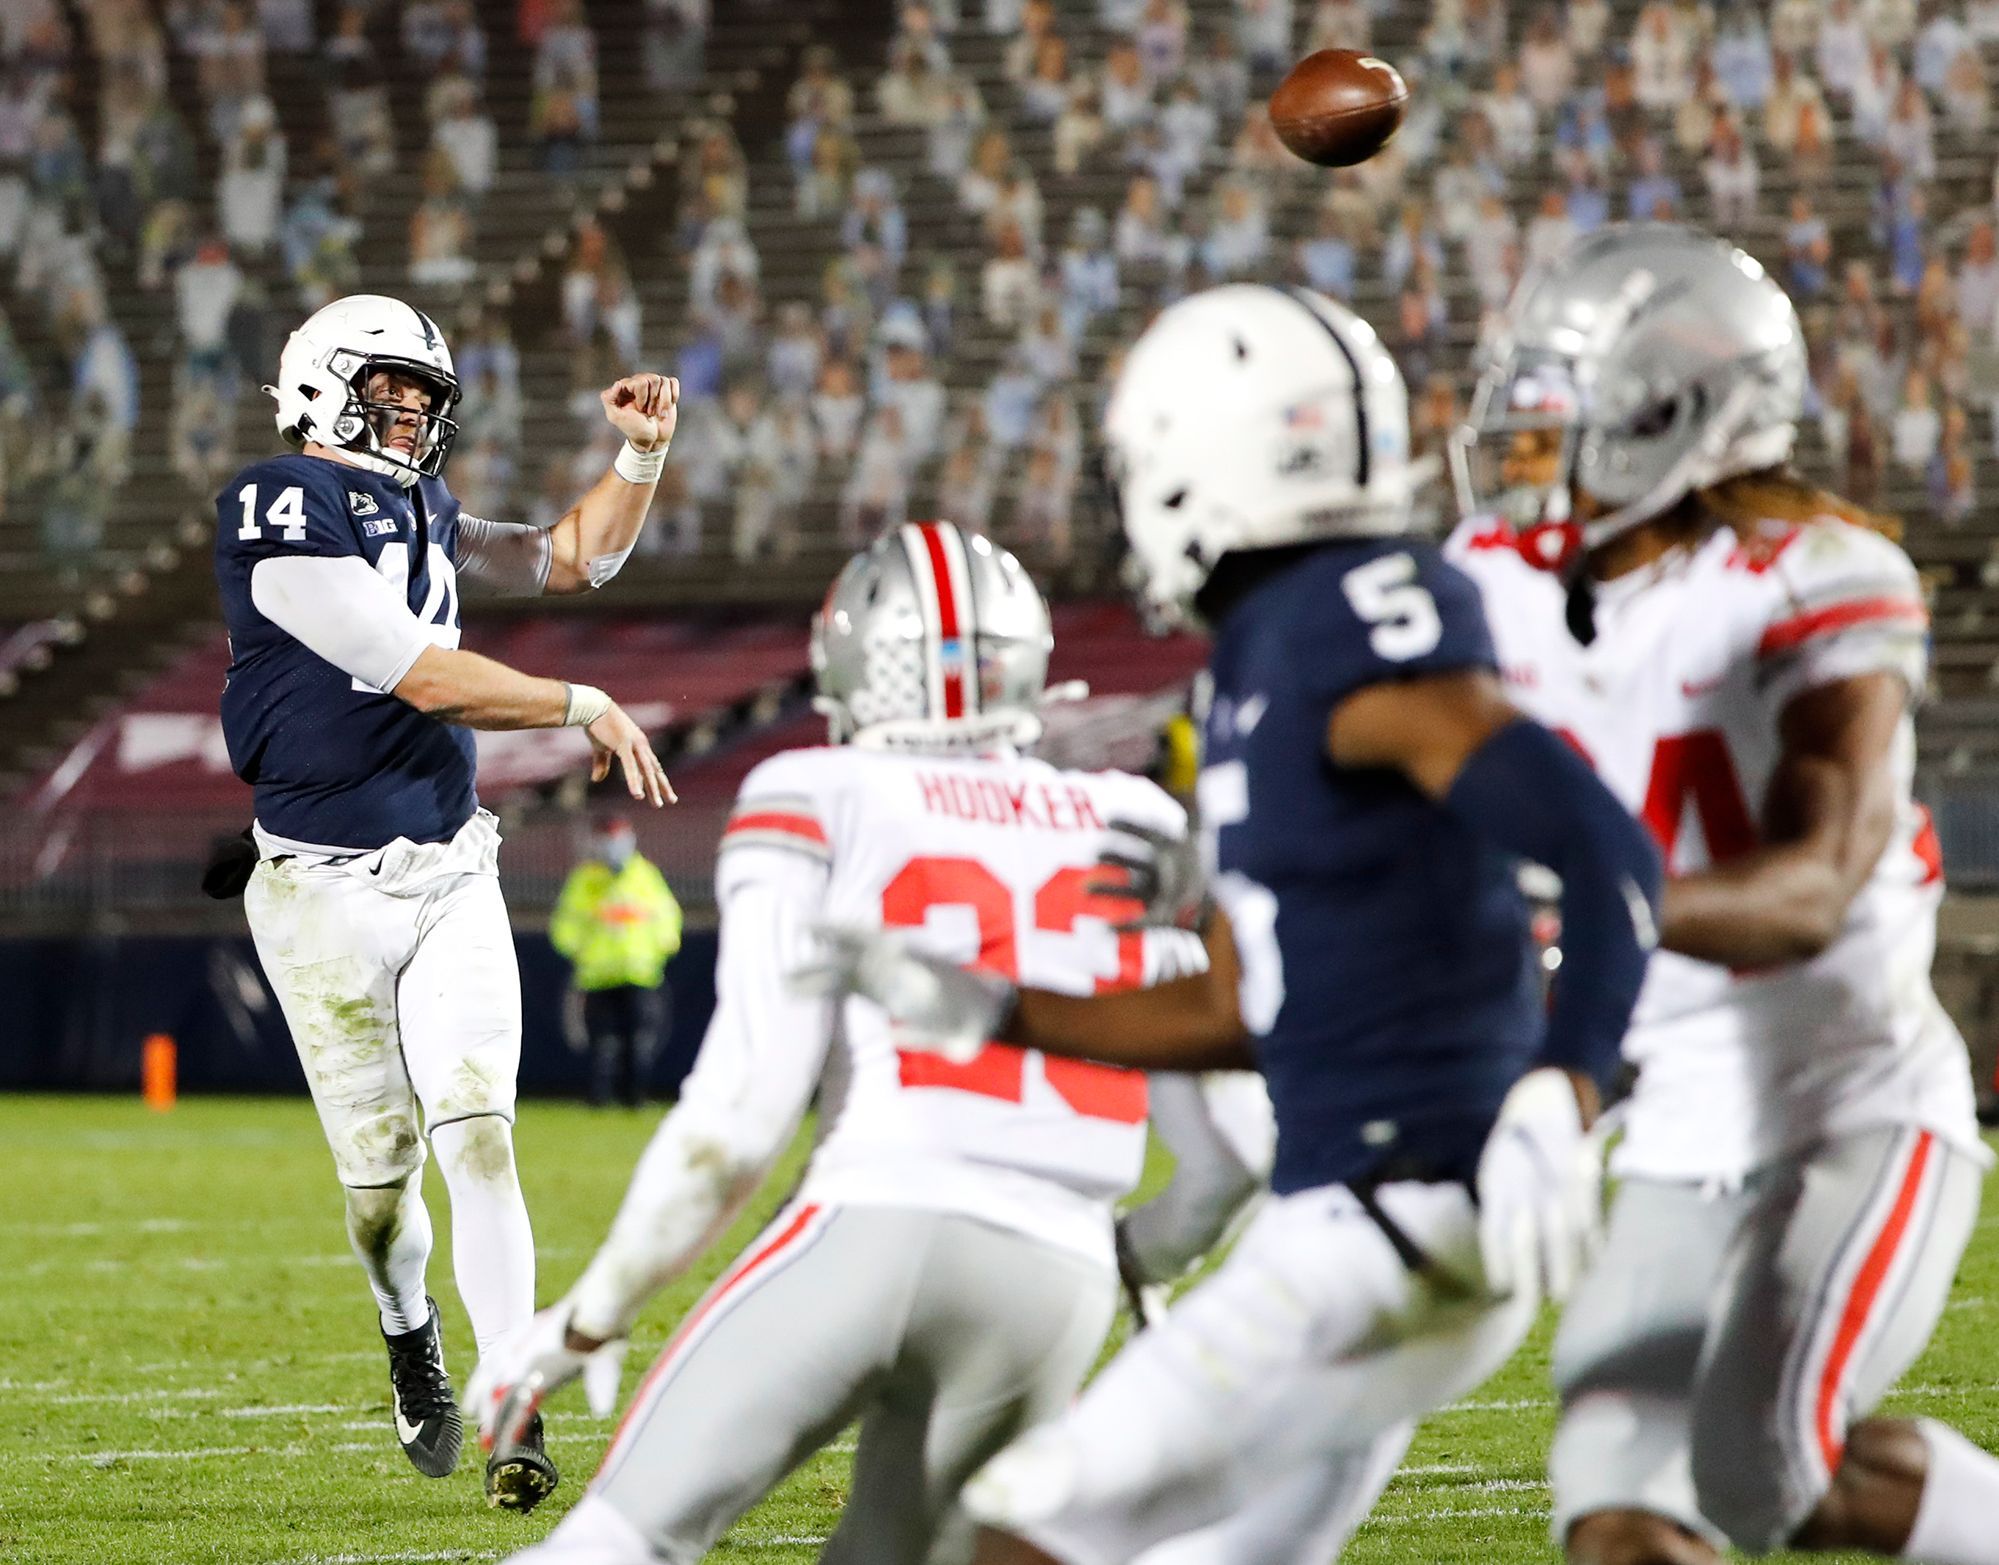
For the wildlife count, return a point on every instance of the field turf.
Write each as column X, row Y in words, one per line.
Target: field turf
column 190, row 1371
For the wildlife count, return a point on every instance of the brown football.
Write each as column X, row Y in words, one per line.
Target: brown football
column 1338, row 107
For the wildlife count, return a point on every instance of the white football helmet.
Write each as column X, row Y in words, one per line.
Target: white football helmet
column 323, row 374
column 932, row 639
column 1247, row 417
column 1644, row 362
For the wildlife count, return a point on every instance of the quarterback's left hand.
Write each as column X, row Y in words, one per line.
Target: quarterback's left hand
column 513, row 1381
column 643, row 408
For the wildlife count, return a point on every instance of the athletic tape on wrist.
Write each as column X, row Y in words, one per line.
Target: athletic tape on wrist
column 639, row 467
column 583, row 705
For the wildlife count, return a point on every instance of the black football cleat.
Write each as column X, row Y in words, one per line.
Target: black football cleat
column 520, row 1476
column 426, row 1410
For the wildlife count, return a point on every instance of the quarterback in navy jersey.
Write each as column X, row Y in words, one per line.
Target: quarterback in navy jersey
column 375, row 900
column 1366, row 797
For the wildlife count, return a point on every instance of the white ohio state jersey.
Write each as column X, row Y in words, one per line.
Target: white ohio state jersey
column 1676, row 702
column 985, row 861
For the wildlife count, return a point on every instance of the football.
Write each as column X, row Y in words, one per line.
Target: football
column 1338, row 107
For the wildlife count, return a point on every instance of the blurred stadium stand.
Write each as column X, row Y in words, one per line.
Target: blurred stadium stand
column 892, row 250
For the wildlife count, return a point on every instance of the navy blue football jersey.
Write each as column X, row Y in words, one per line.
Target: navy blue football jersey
column 334, row 761
column 1387, row 972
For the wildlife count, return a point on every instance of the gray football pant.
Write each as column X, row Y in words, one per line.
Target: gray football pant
column 945, row 1336
column 1713, row 1360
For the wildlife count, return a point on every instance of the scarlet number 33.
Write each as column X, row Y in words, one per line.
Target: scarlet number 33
column 999, row 1070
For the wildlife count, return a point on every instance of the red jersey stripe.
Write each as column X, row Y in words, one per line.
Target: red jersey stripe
column 779, row 821
column 1788, row 633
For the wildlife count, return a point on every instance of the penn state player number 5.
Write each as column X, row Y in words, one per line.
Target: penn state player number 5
column 286, row 514
column 1386, row 594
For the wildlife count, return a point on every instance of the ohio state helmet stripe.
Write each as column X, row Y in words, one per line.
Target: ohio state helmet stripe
column 1360, row 463
column 950, row 629
column 924, row 576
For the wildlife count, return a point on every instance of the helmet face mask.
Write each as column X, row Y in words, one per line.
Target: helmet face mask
column 1666, row 359
column 932, row 640
column 323, row 383
column 1514, row 455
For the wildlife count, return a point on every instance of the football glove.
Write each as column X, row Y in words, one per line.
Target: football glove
column 938, row 1006
column 1540, row 1190
column 515, row 1378
column 231, row 862
column 1157, row 871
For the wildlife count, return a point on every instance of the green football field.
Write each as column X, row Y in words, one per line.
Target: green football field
column 189, row 1367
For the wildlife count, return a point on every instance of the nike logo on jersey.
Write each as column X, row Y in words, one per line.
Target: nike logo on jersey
column 1250, row 713
column 361, row 504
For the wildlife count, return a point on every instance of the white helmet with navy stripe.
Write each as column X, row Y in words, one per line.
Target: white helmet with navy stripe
column 932, row 639
column 323, row 377
column 1247, row 417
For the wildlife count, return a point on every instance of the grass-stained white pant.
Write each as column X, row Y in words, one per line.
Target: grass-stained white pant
column 396, row 973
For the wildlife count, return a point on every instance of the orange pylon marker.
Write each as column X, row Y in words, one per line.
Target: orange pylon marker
column 159, row 1072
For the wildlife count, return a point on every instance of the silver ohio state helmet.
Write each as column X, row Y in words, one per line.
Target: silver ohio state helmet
column 932, row 639
column 323, row 378
column 1646, row 361
column 1247, row 417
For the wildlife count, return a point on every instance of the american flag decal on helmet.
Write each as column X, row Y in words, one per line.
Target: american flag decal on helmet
column 943, row 577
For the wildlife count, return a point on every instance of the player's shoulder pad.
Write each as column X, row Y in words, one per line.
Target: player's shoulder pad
column 439, row 503
column 1385, row 609
column 783, row 803
column 1835, row 577
column 295, row 504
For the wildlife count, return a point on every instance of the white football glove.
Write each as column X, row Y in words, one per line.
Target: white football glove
column 1156, row 871
column 1540, row 1191
column 513, row 1380
column 938, row 1006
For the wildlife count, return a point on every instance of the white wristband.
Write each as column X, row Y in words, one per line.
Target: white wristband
column 583, row 705
column 639, row 467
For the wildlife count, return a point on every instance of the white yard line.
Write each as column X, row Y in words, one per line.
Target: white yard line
column 1501, row 1405
column 1413, row 1518
column 200, row 1453
column 286, row 1410
column 405, row 1557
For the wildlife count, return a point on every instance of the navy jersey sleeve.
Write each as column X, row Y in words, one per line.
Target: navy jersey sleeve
column 292, row 506
column 1400, row 611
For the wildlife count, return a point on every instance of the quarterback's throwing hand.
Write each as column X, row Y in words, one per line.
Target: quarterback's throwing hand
column 513, row 1380
column 935, row 1005
column 614, row 736
column 643, row 408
